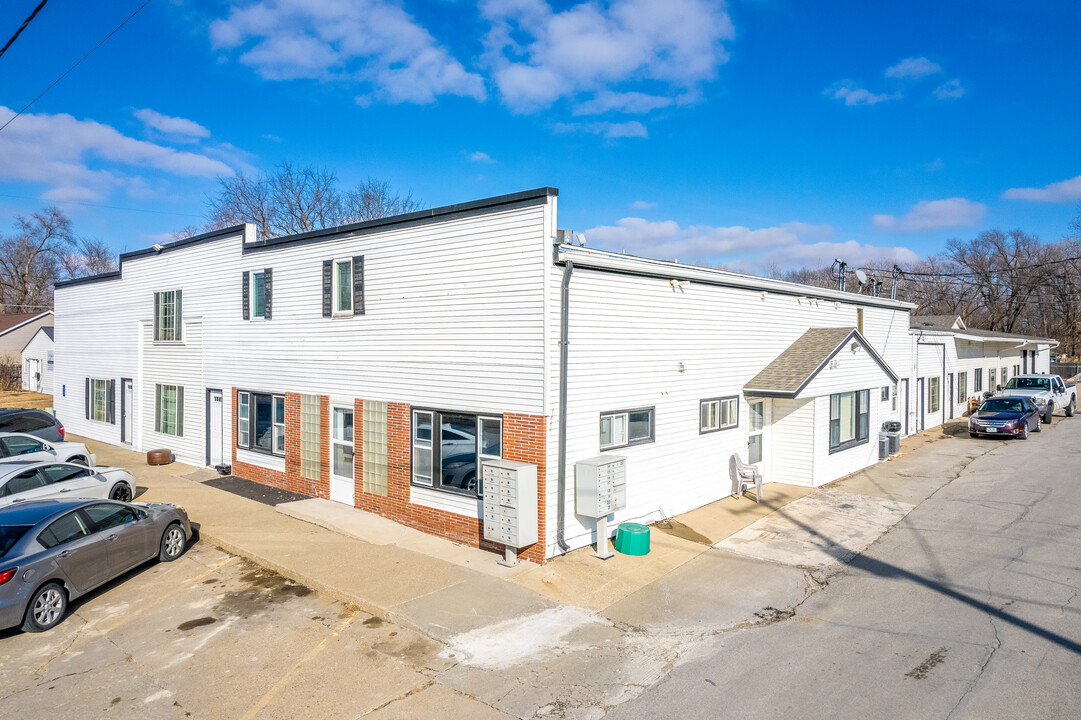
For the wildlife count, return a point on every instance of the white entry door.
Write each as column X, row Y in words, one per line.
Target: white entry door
column 341, row 452
column 215, row 436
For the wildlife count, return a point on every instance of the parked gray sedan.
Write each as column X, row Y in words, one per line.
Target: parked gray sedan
column 53, row 551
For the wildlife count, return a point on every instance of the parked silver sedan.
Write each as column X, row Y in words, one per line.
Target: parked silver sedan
column 24, row 447
column 23, row 481
column 53, row 551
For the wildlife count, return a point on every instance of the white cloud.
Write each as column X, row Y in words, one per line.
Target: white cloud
column 628, row 102
column 931, row 215
column 481, row 157
column 1065, row 191
column 369, row 41
column 611, row 131
column 171, row 125
column 538, row 55
column 847, row 91
column 643, row 205
column 949, row 90
column 791, row 245
column 913, row 68
column 86, row 160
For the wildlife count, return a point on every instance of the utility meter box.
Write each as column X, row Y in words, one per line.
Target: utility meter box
column 600, row 485
column 510, row 502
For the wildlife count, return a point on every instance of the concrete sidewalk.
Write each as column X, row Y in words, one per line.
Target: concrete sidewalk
column 447, row 589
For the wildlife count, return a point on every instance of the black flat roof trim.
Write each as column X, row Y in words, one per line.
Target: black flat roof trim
column 418, row 217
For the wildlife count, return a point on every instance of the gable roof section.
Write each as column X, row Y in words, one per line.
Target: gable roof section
column 801, row 362
column 8, row 323
column 938, row 322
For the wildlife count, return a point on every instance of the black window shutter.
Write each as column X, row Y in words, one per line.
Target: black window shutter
column 180, row 411
column 328, row 271
column 88, row 395
column 245, row 285
column 178, row 316
column 157, row 408
column 110, row 406
column 157, row 311
column 267, row 291
column 358, row 284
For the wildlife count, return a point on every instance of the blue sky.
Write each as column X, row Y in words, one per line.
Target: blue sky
column 741, row 133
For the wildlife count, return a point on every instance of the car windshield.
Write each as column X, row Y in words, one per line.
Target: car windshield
column 9, row 535
column 1024, row 383
column 997, row 405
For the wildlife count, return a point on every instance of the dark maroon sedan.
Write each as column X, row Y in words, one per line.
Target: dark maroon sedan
column 1012, row 416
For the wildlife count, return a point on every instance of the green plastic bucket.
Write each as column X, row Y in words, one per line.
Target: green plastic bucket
column 632, row 539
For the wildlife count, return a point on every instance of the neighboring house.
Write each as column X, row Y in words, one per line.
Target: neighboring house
column 17, row 330
column 955, row 362
column 378, row 364
column 38, row 362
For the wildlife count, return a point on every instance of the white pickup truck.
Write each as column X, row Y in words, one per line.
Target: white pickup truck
column 1048, row 392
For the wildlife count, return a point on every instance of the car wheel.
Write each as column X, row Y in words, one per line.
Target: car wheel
column 1036, row 427
column 121, row 491
column 80, row 460
column 972, row 434
column 1046, row 419
column 1023, row 435
column 1069, row 408
column 172, row 543
column 46, row 608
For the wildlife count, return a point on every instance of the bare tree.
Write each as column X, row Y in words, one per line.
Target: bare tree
column 90, row 257
column 294, row 199
column 30, row 259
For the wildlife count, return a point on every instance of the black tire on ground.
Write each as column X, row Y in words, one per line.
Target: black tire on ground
column 172, row 543
column 1069, row 408
column 46, row 608
column 1046, row 419
column 972, row 434
column 120, row 492
column 1024, row 431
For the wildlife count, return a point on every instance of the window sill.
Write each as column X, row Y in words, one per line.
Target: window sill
column 343, row 314
column 449, row 491
column 848, row 445
column 261, row 451
column 716, row 430
column 166, row 343
column 606, row 448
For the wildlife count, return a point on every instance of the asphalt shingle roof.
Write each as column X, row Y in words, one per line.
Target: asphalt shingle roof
column 800, row 361
column 933, row 322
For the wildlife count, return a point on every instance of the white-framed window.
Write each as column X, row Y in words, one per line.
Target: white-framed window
column 258, row 295
column 718, row 414
column 343, row 287
column 1003, row 378
column 977, row 380
column 755, row 427
column 932, row 394
column 991, row 379
column 99, row 400
column 894, row 406
column 169, row 410
column 962, row 387
column 448, row 448
column 168, row 316
column 341, row 440
column 849, row 419
column 885, row 393
column 260, row 422
column 622, row 428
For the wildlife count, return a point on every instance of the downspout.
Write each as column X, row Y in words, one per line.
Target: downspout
column 561, row 482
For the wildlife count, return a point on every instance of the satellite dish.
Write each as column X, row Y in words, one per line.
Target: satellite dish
column 861, row 276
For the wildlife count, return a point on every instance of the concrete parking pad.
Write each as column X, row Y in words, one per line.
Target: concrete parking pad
column 437, row 702
column 819, row 530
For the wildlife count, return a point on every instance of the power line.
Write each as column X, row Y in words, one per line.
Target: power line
column 80, row 60
column 970, row 273
column 99, row 205
column 22, row 27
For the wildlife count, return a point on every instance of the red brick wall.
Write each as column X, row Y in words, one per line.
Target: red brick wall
column 523, row 440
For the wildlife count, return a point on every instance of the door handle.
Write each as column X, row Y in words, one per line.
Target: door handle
column 65, row 490
column 111, row 538
column 63, row 554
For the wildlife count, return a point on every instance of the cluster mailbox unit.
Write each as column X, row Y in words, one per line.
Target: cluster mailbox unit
column 600, row 488
column 510, row 505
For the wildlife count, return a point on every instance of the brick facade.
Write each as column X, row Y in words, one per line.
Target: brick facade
column 523, row 440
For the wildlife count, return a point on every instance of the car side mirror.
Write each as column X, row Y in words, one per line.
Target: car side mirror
column 46, row 446
column 142, row 514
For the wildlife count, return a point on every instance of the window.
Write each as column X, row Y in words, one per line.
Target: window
column 754, row 431
column 167, row 316
column 169, row 410
column 932, row 394
column 464, row 441
column 63, row 473
column 1002, row 376
column 977, row 380
column 1016, row 370
column 894, row 408
column 309, row 436
column 626, row 427
column 718, row 414
column 343, row 287
column 14, row 445
column 962, row 387
column 991, row 379
column 69, row 527
column 258, row 295
column 26, row 480
column 375, row 447
column 849, row 419
column 885, row 393
column 99, row 400
column 341, row 442
column 106, row 515
column 260, row 422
